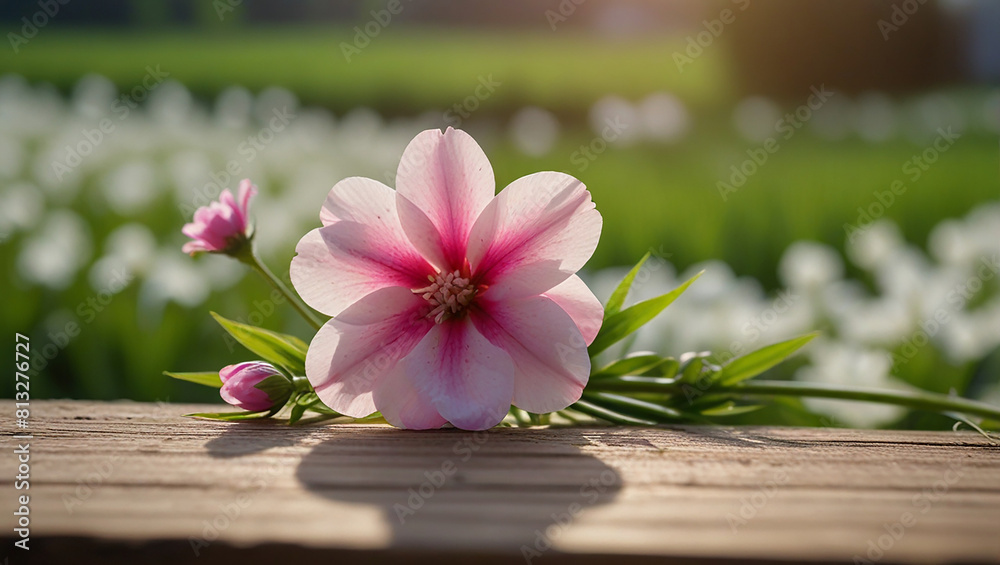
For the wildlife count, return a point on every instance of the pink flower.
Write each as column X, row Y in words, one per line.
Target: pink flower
column 450, row 304
column 254, row 386
column 222, row 226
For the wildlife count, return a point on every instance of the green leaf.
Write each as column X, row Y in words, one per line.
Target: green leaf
column 230, row 416
column 605, row 414
column 619, row 325
column 277, row 387
column 755, row 363
column 634, row 364
column 287, row 351
column 618, row 296
column 666, row 369
column 634, row 407
column 730, row 409
column 207, row 379
column 297, row 411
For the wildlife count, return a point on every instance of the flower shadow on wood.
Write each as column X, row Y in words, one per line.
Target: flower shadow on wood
column 502, row 491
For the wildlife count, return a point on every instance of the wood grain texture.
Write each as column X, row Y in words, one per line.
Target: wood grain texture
column 127, row 482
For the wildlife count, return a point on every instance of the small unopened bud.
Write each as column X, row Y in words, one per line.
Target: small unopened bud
column 254, row 386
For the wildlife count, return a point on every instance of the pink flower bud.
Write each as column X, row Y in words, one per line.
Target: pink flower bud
column 254, row 386
column 222, row 226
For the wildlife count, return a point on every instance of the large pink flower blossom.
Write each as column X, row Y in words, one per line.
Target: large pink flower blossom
column 450, row 303
column 224, row 225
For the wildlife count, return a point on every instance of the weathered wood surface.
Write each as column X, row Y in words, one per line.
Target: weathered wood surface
column 128, row 483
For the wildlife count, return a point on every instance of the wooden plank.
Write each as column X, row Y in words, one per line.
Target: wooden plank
column 116, row 482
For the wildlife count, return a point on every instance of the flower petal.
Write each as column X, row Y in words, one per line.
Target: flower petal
column 576, row 298
column 468, row 379
column 536, row 233
column 193, row 247
column 247, row 191
column 351, row 354
column 402, row 406
column 551, row 364
column 365, row 250
column 449, row 181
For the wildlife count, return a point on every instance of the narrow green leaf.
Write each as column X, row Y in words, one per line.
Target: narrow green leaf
column 755, row 363
column 207, row 379
column 634, row 407
column 607, row 415
column 230, row 416
column 297, row 411
column 666, row 369
column 634, row 364
column 617, row 299
column 730, row 409
column 619, row 325
column 281, row 349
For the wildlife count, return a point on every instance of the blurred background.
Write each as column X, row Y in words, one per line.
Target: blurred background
column 833, row 165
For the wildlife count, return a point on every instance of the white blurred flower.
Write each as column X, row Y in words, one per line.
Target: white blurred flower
column 534, row 131
column 134, row 244
column 173, row 277
column 12, row 156
column 951, row 243
column 273, row 99
column 755, row 118
column 21, row 204
column 875, row 117
column 56, row 250
column 233, row 107
column 810, row 265
column 615, row 120
column 130, row 188
column 169, row 103
column 664, row 117
column 874, row 244
column 222, row 274
column 833, row 120
column 93, row 96
column 851, row 365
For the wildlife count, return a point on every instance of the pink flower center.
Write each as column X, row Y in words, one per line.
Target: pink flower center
column 449, row 295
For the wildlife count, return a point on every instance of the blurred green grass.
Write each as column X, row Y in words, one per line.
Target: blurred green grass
column 401, row 70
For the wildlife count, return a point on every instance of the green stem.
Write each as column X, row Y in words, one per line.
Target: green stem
column 920, row 400
column 249, row 256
